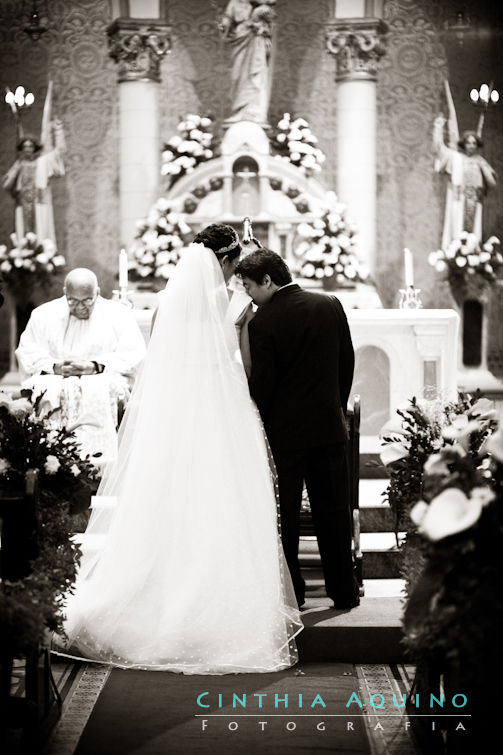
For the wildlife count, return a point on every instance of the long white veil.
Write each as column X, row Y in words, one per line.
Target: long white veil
column 190, row 536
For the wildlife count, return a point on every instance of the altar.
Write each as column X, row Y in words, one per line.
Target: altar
column 399, row 353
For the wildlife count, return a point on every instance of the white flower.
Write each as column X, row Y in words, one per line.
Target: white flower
column 460, row 261
column 433, row 258
column 175, row 141
column 18, row 262
column 448, row 514
column 305, row 230
column 31, row 237
column 308, row 270
column 208, row 154
column 6, row 267
column 42, row 258
column 284, row 123
column 495, row 445
column 295, row 156
column 52, row 464
column 58, row 260
column 4, row 466
column 394, row 451
column 281, row 138
column 205, row 122
column 319, row 273
column 473, row 260
column 74, row 469
column 440, row 266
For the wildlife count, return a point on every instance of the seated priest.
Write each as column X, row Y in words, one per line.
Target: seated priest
column 82, row 351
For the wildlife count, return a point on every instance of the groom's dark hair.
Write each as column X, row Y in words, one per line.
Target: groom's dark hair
column 221, row 238
column 264, row 262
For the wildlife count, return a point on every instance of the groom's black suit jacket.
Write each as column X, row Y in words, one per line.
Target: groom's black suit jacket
column 302, row 368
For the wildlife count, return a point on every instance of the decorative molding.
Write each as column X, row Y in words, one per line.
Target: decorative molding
column 138, row 47
column 357, row 44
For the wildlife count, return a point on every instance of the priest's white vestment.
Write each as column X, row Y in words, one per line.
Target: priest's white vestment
column 110, row 337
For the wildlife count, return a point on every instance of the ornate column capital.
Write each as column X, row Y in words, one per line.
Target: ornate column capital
column 357, row 44
column 138, row 46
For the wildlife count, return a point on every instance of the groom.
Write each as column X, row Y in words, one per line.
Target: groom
column 302, row 370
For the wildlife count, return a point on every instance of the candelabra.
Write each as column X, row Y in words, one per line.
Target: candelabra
column 484, row 97
column 19, row 101
column 409, row 298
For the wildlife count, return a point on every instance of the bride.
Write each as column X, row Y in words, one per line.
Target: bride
column 182, row 566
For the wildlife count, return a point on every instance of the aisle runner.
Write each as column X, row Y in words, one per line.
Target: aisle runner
column 302, row 710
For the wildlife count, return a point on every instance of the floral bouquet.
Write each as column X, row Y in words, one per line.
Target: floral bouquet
column 159, row 242
column 30, row 606
column 419, row 433
column 29, row 262
column 29, row 441
column 328, row 249
column 187, row 149
column 293, row 141
column 453, row 617
column 464, row 257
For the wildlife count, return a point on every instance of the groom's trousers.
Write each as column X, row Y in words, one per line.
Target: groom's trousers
column 326, row 474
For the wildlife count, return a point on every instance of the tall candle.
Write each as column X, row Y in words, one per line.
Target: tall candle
column 123, row 269
column 408, row 264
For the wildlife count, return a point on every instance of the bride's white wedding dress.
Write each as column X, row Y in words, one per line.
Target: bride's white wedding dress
column 190, row 574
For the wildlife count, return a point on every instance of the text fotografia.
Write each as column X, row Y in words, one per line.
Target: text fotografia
column 244, row 723
column 298, row 701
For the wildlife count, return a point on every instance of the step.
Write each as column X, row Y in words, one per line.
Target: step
column 381, row 558
column 370, row 633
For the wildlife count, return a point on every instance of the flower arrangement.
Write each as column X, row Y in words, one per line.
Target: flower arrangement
column 30, row 606
column 187, row 149
column 294, row 141
column 453, row 617
column 412, row 442
column 464, row 257
column 328, row 249
column 30, row 261
column 159, row 242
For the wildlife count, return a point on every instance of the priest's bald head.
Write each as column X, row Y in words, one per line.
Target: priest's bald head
column 81, row 290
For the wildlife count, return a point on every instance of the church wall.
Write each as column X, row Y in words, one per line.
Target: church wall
column 419, row 55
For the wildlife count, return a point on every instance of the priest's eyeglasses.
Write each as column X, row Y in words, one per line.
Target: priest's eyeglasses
column 75, row 302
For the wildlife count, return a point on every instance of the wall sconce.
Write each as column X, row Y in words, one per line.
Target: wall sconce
column 34, row 13
column 484, row 97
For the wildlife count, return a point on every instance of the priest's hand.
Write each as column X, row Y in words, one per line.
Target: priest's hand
column 62, row 368
column 82, row 367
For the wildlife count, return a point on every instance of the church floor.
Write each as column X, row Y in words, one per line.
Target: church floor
column 116, row 711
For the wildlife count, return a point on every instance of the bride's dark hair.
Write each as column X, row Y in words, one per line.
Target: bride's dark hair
column 222, row 239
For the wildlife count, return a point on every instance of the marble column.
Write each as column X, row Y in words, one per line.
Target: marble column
column 357, row 45
column 138, row 46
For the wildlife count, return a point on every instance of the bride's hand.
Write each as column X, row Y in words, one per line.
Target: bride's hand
column 247, row 315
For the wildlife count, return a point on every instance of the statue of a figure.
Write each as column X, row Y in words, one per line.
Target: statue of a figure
column 28, row 179
column 470, row 176
column 247, row 26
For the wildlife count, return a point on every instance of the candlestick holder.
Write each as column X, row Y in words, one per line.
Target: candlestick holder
column 409, row 298
column 122, row 295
